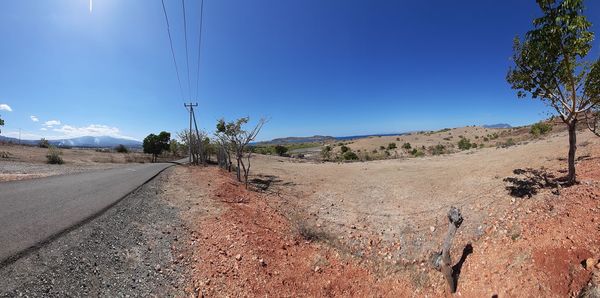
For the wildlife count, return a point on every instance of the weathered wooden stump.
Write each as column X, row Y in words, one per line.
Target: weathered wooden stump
column 441, row 261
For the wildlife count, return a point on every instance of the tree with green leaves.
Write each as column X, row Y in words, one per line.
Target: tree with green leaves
column 234, row 138
column 156, row 144
column 281, row 150
column 550, row 65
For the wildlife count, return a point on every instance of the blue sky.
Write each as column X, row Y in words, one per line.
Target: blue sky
column 336, row 67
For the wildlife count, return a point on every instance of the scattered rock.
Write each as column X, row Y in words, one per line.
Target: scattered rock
column 262, row 262
column 590, row 263
column 157, row 267
column 317, row 269
column 432, row 229
column 238, row 257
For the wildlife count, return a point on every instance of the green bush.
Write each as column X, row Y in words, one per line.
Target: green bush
column 326, row 152
column 349, row 155
column 281, row 150
column 509, row 142
column 417, row 153
column 53, row 156
column 540, row 128
column 392, row 146
column 381, row 148
column 121, row 148
column 406, row 146
column 344, row 149
column 43, row 143
column 437, row 149
column 464, row 144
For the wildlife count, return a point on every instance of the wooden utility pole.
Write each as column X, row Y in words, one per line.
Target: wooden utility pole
column 191, row 106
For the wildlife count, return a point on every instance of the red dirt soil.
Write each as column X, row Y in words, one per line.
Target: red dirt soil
column 249, row 248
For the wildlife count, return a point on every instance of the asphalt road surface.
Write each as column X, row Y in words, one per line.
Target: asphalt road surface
column 33, row 211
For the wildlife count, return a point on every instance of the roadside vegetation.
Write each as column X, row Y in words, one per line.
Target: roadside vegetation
column 156, row 144
column 54, row 156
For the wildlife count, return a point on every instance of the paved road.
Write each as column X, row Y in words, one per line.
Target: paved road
column 32, row 211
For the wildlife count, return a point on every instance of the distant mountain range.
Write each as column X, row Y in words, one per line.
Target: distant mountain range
column 499, row 125
column 84, row 142
column 294, row 140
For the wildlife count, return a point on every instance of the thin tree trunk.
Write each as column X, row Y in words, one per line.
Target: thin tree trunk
column 239, row 176
column 572, row 150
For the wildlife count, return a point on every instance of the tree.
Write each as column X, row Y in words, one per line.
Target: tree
column 43, row 143
column 198, row 148
column 236, row 140
column 549, row 64
column 281, row 150
column 156, row 144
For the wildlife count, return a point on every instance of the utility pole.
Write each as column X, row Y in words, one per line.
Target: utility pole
column 191, row 106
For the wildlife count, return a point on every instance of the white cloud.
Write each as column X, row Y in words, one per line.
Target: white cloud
column 43, row 128
column 34, row 118
column 51, row 123
column 94, row 130
column 5, row 107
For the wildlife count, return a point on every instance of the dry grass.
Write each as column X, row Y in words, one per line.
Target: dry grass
column 71, row 156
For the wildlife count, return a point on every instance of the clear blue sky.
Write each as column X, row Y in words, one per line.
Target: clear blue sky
column 336, row 67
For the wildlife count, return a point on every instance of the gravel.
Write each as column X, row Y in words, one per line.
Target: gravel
column 126, row 251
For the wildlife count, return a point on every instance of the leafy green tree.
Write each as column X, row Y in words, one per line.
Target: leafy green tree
column 550, row 65
column 392, row 146
column 174, row 147
column 235, row 139
column 344, row 149
column 406, row 146
column 156, row 144
column 281, row 150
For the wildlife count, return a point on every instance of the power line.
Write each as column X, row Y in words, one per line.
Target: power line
column 173, row 51
column 199, row 47
column 187, row 57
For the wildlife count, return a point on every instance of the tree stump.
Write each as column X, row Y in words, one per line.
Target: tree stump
column 442, row 261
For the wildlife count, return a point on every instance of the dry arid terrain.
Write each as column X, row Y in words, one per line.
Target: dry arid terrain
column 368, row 229
column 26, row 162
column 356, row 229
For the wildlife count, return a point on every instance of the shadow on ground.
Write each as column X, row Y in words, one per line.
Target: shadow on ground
column 456, row 269
column 264, row 183
column 529, row 182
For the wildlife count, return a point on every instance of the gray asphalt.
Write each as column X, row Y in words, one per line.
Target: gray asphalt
column 33, row 211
